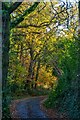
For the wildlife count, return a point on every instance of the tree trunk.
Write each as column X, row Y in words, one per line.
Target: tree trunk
column 21, row 54
column 0, row 59
column 5, row 52
column 30, row 70
column 37, row 73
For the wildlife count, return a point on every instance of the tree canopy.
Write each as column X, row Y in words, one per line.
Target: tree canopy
column 40, row 53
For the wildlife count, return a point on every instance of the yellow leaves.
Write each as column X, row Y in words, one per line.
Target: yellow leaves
column 72, row 30
column 68, row 33
column 27, row 60
column 53, row 39
column 16, row 46
column 45, row 77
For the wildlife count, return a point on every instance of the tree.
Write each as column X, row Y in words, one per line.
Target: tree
column 11, row 20
column 70, row 100
column 7, row 24
column 66, row 95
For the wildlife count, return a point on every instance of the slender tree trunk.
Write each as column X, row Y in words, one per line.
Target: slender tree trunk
column 37, row 72
column 21, row 54
column 30, row 70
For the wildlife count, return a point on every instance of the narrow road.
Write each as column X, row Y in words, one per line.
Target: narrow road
column 30, row 108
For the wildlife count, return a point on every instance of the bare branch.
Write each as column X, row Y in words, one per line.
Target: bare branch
column 32, row 25
column 42, row 7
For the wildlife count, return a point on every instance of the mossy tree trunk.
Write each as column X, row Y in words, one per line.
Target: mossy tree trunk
column 5, row 54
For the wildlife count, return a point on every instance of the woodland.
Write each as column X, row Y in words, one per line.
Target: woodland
column 41, row 54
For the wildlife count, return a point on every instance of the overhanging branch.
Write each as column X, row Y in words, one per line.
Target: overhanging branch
column 14, row 7
column 21, row 17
